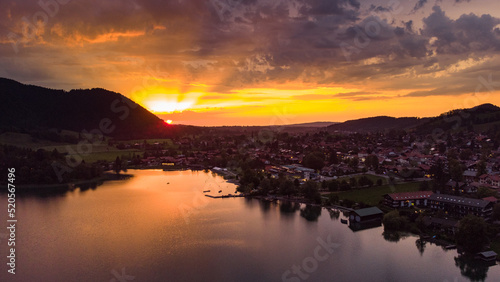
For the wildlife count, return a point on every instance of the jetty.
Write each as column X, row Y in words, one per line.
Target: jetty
column 225, row 196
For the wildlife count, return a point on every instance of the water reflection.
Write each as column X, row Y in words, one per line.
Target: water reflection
column 394, row 236
column 311, row 213
column 265, row 206
column 358, row 226
column 334, row 214
column 472, row 268
column 138, row 224
column 421, row 244
column 289, row 208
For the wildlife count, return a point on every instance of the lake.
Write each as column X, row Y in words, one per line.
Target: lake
column 158, row 226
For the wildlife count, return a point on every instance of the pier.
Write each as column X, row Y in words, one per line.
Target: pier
column 225, row 196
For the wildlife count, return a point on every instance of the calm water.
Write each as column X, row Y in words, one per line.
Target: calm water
column 147, row 230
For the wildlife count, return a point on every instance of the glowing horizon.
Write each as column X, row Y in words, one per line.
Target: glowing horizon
column 263, row 63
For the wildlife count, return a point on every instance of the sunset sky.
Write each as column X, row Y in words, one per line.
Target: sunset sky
column 253, row 62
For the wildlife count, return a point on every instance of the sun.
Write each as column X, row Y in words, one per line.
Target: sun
column 165, row 106
column 169, row 121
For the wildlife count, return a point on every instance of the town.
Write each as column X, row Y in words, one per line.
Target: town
column 421, row 183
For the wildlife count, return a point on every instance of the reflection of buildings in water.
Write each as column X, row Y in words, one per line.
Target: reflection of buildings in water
column 358, row 226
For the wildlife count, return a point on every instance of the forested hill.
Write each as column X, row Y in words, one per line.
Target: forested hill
column 481, row 118
column 27, row 107
column 377, row 124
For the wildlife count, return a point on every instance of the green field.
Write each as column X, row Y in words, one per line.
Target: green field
column 24, row 140
column 169, row 142
column 111, row 155
column 90, row 153
column 373, row 195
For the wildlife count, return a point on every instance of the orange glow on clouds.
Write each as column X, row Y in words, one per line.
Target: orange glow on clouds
column 161, row 100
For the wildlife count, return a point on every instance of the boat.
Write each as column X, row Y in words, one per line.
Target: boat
column 451, row 247
column 220, row 191
column 206, row 191
column 344, row 221
column 168, row 182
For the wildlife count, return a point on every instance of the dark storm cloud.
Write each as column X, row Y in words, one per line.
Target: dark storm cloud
column 247, row 42
column 419, row 5
column 467, row 34
column 379, row 8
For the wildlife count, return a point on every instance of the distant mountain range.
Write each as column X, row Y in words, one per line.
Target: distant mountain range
column 312, row 124
column 27, row 108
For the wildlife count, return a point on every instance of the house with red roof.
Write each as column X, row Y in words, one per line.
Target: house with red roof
column 489, row 180
column 407, row 199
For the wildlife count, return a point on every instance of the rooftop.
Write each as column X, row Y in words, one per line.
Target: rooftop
column 459, row 200
column 411, row 195
column 368, row 211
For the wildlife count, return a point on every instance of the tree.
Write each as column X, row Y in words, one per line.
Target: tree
column 314, row 160
column 334, row 159
column 481, row 168
column 456, row 170
column 496, row 212
column 365, row 181
column 393, row 221
column 347, row 203
column 472, row 234
column 333, row 198
column 287, row 188
column 265, row 185
column 353, row 182
column 353, row 163
column 310, row 190
column 344, row 185
column 483, row 192
column 250, row 176
column 372, row 161
column 465, row 154
column 333, row 185
column 437, row 172
column 117, row 165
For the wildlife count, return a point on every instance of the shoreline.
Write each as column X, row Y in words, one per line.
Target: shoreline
column 64, row 187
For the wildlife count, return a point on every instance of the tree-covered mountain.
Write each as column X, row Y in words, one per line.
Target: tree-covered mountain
column 27, row 108
column 377, row 124
column 480, row 119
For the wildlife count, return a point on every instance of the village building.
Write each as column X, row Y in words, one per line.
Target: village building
column 460, row 206
column 366, row 214
column 407, row 199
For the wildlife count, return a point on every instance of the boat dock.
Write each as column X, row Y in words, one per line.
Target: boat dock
column 225, row 196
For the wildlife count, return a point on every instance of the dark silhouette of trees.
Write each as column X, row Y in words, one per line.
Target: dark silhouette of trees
column 314, row 160
column 472, row 234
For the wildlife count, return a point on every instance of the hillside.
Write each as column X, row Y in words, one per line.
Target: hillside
column 311, row 124
column 374, row 124
column 480, row 118
column 28, row 108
